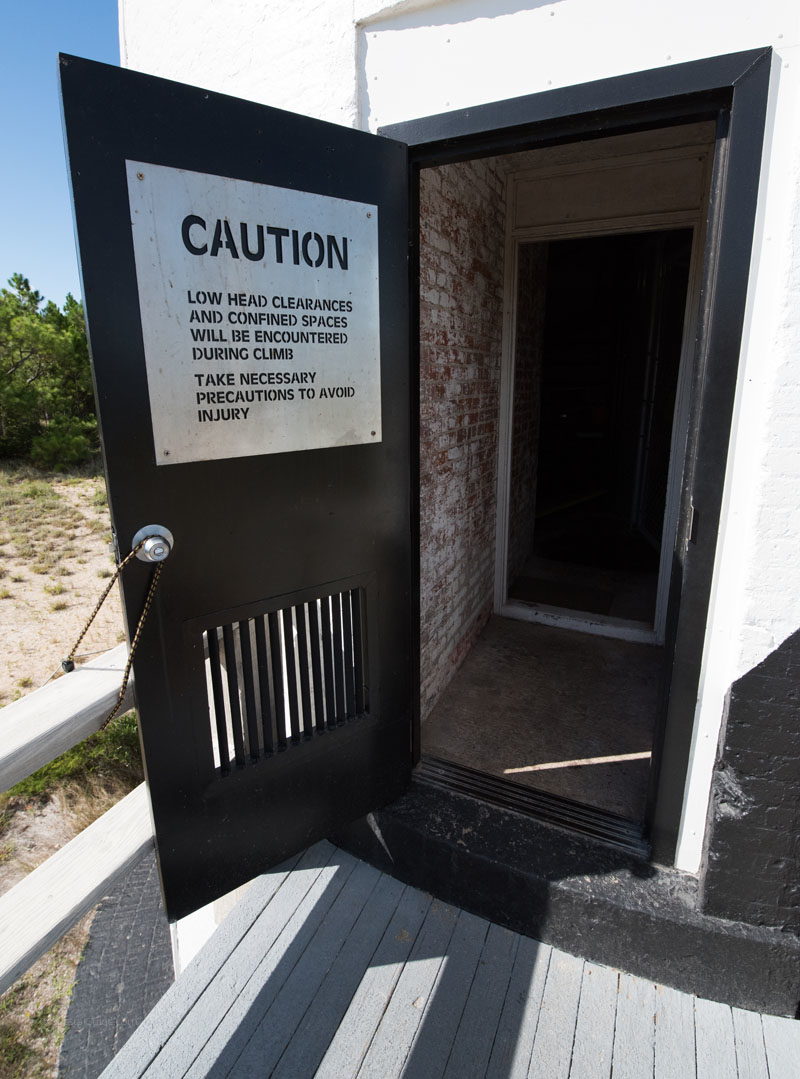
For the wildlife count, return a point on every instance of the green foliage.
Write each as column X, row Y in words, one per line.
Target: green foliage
column 111, row 753
column 45, row 378
column 64, row 445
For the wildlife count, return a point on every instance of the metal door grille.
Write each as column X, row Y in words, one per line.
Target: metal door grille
column 284, row 676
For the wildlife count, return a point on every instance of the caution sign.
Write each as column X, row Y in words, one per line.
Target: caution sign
column 259, row 310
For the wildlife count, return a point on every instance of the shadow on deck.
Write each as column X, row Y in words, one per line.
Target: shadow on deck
column 330, row 968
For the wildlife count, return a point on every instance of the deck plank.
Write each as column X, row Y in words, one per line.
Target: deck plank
column 356, row 1031
column 751, row 1054
column 555, row 1033
column 240, row 995
column 594, row 1029
column 472, row 1045
column 165, row 1024
column 395, row 1033
column 634, row 1033
column 675, row 1056
column 330, row 968
column 276, row 1026
column 317, row 1029
column 440, row 1020
column 516, row 1029
column 715, row 1047
column 782, row 1041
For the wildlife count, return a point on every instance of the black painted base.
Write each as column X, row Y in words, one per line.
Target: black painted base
column 578, row 894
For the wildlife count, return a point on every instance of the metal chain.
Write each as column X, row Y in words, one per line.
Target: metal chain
column 68, row 664
column 135, row 642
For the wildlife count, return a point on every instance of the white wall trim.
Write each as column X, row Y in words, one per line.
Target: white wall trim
column 680, row 425
column 505, row 419
column 610, row 226
column 579, row 622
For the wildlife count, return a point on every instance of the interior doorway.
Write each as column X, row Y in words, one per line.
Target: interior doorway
column 677, row 147
column 571, row 272
column 598, row 346
column 597, row 359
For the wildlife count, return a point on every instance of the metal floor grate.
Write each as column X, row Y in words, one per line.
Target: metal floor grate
column 544, row 806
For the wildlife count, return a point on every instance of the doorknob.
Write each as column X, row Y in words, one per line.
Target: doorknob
column 158, row 543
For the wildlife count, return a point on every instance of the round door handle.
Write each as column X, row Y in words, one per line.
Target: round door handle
column 158, row 543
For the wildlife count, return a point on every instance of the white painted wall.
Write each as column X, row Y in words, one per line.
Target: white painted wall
column 298, row 55
column 357, row 63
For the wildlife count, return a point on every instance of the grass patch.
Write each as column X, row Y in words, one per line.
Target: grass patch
column 25, row 683
column 110, row 757
column 33, row 1012
column 5, row 594
column 15, row 1053
column 37, row 489
column 33, row 512
column 59, row 605
column 55, row 589
column 42, row 1020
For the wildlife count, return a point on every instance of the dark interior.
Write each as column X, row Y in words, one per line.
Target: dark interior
column 608, row 369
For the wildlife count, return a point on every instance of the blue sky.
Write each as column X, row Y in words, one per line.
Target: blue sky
column 36, row 235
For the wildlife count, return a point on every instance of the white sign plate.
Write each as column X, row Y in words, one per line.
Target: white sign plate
column 259, row 311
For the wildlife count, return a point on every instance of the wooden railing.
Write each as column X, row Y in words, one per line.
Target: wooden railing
column 33, row 731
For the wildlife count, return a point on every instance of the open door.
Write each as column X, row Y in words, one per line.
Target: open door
column 246, row 288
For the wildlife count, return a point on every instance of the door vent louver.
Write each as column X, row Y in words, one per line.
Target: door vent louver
column 285, row 676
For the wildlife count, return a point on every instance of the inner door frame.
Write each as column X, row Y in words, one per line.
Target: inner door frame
column 600, row 625
column 733, row 91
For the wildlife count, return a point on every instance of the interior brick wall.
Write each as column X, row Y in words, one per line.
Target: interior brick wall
column 462, row 223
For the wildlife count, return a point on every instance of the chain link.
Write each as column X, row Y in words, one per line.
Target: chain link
column 68, row 663
column 135, row 643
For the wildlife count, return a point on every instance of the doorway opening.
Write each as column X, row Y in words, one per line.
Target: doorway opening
column 557, row 290
column 597, row 359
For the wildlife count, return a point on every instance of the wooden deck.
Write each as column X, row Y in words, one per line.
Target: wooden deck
column 330, row 968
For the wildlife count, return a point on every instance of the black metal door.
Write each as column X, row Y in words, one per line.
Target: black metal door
column 274, row 677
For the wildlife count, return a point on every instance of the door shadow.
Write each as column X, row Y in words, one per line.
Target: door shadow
column 362, row 975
